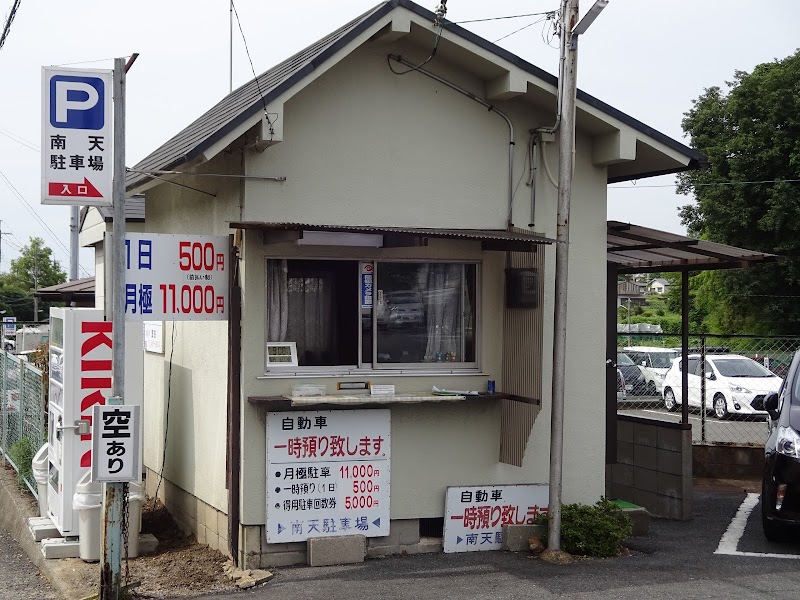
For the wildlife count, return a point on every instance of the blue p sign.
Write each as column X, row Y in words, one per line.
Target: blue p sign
column 77, row 102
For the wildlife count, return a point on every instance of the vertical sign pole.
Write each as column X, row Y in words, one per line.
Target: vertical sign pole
column 111, row 560
column 74, row 218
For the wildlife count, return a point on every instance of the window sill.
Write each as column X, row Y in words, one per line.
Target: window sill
column 291, row 374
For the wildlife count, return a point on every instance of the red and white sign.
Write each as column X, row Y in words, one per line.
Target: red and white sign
column 176, row 277
column 77, row 136
column 327, row 474
column 475, row 515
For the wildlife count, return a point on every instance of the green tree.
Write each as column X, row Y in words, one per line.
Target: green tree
column 34, row 268
column 749, row 133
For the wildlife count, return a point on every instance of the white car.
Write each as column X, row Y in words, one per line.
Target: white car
column 653, row 362
column 734, row 385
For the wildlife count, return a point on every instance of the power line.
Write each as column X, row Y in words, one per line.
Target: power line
column 536, row 14
column 520, row 29
column 247, row 50
column 666, row 185
column 19, row 140
column 9, row 20
column 39, row 219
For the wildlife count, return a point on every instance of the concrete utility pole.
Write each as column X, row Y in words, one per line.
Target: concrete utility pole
column 113, row 500
column 74, row 217
column 2, row 233
column 568, row 78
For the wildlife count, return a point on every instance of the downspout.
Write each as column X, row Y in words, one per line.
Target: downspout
column 234, row 447
column 482, row 102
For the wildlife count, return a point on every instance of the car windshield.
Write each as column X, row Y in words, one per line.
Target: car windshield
column 741, row 367
column 662, row 360
column 624, row 360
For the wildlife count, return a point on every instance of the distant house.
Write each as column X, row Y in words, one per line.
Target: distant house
column 630, row 292
column 659, row 286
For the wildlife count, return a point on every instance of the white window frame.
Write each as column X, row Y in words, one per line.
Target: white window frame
column 375, row 368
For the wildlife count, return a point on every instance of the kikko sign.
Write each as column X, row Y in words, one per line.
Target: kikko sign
column 77, row 135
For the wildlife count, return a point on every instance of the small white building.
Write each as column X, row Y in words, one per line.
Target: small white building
column 659, row 286
column 350, row 156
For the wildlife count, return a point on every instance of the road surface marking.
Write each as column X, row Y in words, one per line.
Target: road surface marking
column 730, row 539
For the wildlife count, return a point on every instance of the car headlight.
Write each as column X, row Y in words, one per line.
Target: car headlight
column 738, row 389
column 788, row 442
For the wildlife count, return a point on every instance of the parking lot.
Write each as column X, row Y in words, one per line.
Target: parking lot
column 736, row 430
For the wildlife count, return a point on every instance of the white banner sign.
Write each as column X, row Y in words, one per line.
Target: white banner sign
column 327, row 474
column 176, row 277
column 77, row 136
column 115, row 443
column 474, row 516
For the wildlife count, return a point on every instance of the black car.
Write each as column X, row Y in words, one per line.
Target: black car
column 780, row 488
column 634, row 380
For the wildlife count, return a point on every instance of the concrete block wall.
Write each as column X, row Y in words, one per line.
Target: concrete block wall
column 728, row 462
column 653, row 468
column 192, row 515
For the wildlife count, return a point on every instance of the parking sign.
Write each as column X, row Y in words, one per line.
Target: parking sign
column 77, row 136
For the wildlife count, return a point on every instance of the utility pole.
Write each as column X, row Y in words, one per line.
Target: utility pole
column 74, row 217
column 568, row 78
column 35, row 286
column 2, row 233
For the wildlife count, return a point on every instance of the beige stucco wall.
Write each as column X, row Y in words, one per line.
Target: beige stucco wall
column 195, row 456
column 365, row 147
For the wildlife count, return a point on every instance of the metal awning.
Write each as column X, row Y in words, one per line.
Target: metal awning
column 636, row 249
column 491, row 239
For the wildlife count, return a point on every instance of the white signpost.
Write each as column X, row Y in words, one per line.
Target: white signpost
column 116, row 432
column 77, row 125
column 475, row 515
column 176, row 277
column 327, row 474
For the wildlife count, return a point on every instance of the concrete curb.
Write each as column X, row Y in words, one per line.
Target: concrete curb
column 16, row 508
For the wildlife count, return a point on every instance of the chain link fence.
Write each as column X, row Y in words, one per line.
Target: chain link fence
column 22, row 415
column 728, row 375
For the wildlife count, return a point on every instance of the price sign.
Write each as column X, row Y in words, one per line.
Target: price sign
column 327, row 474
column 176, row 277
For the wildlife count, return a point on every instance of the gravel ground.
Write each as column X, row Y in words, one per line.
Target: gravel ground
column 19, row 579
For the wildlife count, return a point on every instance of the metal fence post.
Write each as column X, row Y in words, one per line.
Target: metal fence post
column 3, row 403
column 21, row 396
column 703, row 388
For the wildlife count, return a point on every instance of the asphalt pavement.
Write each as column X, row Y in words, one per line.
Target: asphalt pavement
column 676, row 560
column 19, row 579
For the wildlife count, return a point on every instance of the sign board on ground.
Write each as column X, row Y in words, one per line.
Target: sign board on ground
column 475, row 515
column 327, row 474
column 9, row 325
column 115, row 443
column 77, row 135
column 175, row 277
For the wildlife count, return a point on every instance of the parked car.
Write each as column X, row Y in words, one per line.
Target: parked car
column 780, row 486
column 653, row 362
column 634, row 380
column 735, row 384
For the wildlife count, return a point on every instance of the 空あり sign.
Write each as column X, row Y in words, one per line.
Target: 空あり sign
column 115, row 443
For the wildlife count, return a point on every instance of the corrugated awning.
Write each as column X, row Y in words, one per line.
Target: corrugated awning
column 491, row 239
column 636, row 249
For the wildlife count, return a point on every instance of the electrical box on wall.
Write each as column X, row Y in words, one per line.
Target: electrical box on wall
column 522, row 288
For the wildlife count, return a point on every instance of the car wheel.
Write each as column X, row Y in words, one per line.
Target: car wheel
column 651, row 389
column 721, row 407
column 773, row 531
column 669, row 400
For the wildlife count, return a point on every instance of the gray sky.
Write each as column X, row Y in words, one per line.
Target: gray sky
column 649, row 59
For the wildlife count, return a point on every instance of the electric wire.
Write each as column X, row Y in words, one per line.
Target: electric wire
column 518, row 30
column 19, row 140
column 9, row 19
column 536, row 14
column 166, row 416
column 252, row 68
column 38, row 218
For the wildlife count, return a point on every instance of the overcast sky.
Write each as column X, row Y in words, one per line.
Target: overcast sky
column 649, row 59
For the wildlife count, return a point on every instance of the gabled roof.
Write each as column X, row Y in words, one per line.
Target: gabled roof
column 247, row 101
column 78, row 290
column 134, row 211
